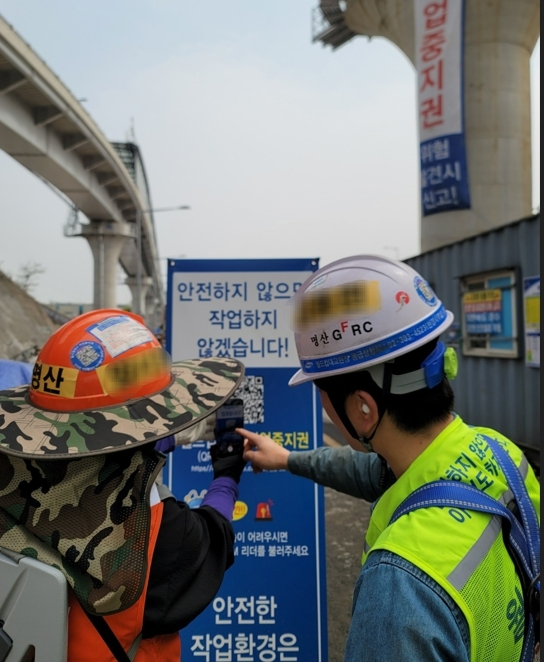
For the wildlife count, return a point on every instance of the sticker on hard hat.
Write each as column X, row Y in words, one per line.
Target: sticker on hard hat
column 344, row 328
column 134, row 371
column 424, row 291
column 358, row 298
column 54, row 380
column 87, row 355
column 120, row 333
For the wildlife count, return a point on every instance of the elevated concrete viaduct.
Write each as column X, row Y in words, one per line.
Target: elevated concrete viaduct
column 46, row 129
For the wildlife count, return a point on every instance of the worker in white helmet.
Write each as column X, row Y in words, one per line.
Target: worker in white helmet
column 450, row 565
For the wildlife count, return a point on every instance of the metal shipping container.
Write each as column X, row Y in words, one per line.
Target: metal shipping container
column 494, row 387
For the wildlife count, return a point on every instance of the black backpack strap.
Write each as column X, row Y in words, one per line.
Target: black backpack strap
column 111, row 640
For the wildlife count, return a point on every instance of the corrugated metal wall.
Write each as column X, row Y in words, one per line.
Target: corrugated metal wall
column 498, row 393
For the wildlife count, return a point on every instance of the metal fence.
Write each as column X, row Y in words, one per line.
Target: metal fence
column 500, row 393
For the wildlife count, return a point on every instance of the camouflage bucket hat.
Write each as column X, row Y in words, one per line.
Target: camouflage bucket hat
column 196, row 390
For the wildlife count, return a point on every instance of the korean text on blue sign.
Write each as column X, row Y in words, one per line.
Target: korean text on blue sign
column 439, row 62
column 239, row 309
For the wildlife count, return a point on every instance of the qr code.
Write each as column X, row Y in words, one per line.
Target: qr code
column 251, row 390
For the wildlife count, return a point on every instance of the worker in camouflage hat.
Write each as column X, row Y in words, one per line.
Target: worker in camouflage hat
column 77, row 484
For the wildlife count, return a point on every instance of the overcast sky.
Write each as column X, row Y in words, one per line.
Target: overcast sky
column 282, row 148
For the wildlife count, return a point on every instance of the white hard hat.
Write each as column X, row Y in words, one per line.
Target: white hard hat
column 362, row 311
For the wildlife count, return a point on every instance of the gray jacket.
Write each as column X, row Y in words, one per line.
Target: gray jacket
column 362, row 475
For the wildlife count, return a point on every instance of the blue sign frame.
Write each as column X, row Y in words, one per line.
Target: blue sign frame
column 272, row 603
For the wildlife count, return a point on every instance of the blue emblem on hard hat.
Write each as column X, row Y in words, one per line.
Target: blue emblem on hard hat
column 425, row 291
column 87, row 355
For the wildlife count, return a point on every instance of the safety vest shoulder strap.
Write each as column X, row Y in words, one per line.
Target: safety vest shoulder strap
column 84, row 639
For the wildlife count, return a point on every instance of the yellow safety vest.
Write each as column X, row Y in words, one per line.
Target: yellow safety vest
column 462, row 550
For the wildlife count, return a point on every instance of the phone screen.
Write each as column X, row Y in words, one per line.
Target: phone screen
column 229, row 417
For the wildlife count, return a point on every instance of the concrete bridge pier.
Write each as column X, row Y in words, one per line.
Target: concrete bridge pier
column 106, row 239
column 499, row 37
column 153, row 310
column 139, row 294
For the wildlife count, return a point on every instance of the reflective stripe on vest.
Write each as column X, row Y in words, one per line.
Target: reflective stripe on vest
column 472, row 564
column 86, row 645
column 460, row 575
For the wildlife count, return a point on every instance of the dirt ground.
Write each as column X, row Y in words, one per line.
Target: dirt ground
column 346, row 521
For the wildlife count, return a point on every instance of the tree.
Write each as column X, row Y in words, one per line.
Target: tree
column 26, row 279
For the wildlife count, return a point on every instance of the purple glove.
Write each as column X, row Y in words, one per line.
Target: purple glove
column 222, row 496
column 166, row 445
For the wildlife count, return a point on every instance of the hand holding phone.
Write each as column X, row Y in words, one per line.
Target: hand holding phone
column 227, row 452
column 229, row 417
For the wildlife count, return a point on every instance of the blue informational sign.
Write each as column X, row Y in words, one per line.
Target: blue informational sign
column 444, row 174
column 483, row 312
column 439, row 49
column 272, row 603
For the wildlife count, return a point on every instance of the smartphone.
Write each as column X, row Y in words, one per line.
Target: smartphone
column 229, row 417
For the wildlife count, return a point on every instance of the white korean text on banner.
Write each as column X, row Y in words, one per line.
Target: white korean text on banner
column 531, row 314
column 439, row 26
column 272, row 603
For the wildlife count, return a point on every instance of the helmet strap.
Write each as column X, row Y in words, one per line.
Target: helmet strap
column 366, row 442
column 338, row 401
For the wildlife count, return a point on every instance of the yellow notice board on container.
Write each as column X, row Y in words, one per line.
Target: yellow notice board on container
column 531, row 313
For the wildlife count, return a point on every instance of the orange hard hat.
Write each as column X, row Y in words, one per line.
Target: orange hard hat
column 102, row 383
column 99, row 359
